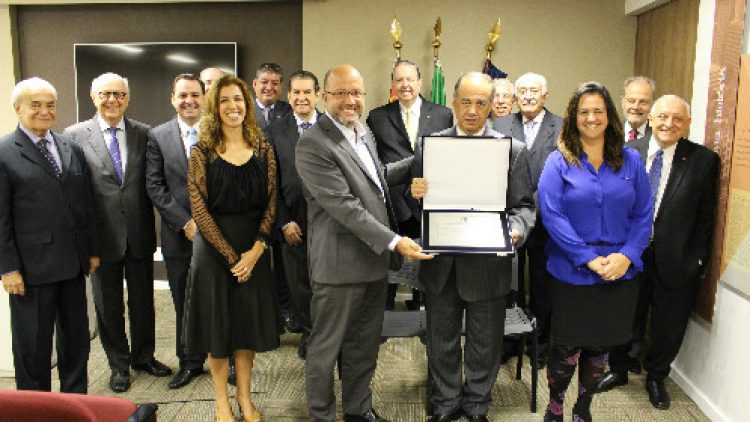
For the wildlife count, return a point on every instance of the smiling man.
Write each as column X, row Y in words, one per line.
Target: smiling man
column 267, row 87
column 637, row 98
column 115, row 150
column 166, row 182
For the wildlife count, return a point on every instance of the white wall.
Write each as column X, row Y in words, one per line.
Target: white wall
column 713, row 366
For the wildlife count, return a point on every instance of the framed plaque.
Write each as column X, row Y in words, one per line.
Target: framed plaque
column 464, row 209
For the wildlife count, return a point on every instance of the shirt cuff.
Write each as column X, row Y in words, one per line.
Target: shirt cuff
column 187, row 224
column 392, row 245
column 9, row 273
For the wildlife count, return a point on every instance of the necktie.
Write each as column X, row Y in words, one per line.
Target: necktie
column 191, row 138
column 528, row 133
column 411, row 129
column 654, row 175
column 44, row 149
column 304, row 126
column 632, row 135
column 114, row 152
column 267, row 115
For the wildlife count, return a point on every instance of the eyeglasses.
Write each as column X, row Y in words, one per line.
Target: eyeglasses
column 117, row 94
column 344, row 94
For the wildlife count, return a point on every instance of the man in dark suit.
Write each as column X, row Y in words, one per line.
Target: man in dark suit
column 47, row 242
column 539, row 129
column 638, row 95
column 291, row 211
column 476, row 284
column 115, row 150
column 683, row 177
column 166, row 182
column 350, row 240
column 267, row 87
column 396, row 127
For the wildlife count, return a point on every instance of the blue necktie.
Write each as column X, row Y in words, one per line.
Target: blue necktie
column 44, row 149
column 114, row 152
column 304, row 126
column 654, row 175
column 191, row 138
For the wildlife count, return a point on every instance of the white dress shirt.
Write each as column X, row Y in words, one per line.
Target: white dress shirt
column 185, row 134
column 641, row 130
column 666, row 167
column 537, row 124
column 121, row 139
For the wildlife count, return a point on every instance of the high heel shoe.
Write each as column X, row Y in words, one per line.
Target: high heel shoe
column 254, row 417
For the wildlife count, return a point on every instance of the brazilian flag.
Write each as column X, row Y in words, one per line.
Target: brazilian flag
column 437, row 95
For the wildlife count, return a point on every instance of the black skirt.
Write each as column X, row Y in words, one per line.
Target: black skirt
column 597, row 315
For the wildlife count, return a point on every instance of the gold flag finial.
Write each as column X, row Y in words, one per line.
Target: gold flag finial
column 493, row 35
column 438, row 28
column 396, row 34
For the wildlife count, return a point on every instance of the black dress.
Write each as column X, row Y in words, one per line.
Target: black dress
column 222, row 315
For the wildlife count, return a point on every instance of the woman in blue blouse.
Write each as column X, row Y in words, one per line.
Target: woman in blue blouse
column 596, row 205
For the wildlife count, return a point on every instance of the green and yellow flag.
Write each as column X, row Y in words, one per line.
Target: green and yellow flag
column 437, row 95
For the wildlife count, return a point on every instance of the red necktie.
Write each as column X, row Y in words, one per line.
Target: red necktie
column 632, row 135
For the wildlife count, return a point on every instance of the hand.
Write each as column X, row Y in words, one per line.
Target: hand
column 597, row 265
column 243, row 269
column 409, row 249
column 190, row 230
column 514, row 236
column 617, row 265
column 292, row 233
column 418, row 187
column 93, row 264
column 13, row 283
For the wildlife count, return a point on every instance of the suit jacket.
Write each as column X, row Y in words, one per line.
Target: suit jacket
column 393, row 144
column 685, row 219
column 350, row 222
column 485, row 276
column 281, row 109
column 283, row 136
column 166, row 184
column 47, row 227
column 544, row 144
column 124, row 213
column 641, row 144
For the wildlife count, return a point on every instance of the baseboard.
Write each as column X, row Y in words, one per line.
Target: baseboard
column 703, row 402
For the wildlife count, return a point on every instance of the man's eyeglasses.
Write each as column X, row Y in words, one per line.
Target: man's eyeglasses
column 344, row 94
column 104, row 95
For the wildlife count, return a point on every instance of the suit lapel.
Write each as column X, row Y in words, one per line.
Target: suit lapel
column 424, row 119
column 99, row 145
column 131, row 139
column 29, row 151
column 516, row 128
column 545, row 133
column 178, row 147
column 335, row 134
column 679, row 165
column 394, row 114
column 65, row 155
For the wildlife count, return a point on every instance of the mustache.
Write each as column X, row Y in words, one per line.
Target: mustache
column 529, row 101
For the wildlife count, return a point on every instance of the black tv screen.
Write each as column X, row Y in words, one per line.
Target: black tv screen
column 150, row 69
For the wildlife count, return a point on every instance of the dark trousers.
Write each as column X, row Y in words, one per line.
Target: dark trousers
column 539, row 296
column 298, row 280
column 670, row 312
column 620, row 355
column 485, row 325
column 106, row 285
column 177, row 272
column 282, row 288
column 34, row 318
column 348, row 319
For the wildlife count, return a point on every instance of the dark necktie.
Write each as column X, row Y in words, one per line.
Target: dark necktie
column 114, row 152
column 304, row 126
column 632, row 135
column 654, row 175
column 267, row 115
column 44, row 149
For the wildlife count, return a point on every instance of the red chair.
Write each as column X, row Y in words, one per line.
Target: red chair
column 40, row 406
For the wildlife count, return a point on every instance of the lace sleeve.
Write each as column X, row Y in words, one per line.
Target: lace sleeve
column 203, row 219
column 269, row 215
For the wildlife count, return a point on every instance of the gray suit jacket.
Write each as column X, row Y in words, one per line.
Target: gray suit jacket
column 350, row 222
column 641, row 144
column 124, row 214
column 484, row 276
column 166, row 184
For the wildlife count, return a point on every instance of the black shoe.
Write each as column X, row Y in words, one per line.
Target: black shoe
column 153, row 367
column 369, row 416
column 477, row 418
column 582, row 413
column 634, row 365
column 119, row 381
column 184, row 376
column 446, row 417
column 291, row 325
column 302, row 351
column 657, row 394
column 611, row 380
column 232, row 378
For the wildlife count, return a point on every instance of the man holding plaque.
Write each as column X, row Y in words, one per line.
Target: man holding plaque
column 474, row 283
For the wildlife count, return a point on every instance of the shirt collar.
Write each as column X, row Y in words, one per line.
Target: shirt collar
column 184, row 127
column 312, row 120
column 348, row 133
column 460, row 132
column 34, row 137
column 653, row 147
column 641, row 129
column 415, row 107
column 538, row 119
column 263, row 107
column 104, row 126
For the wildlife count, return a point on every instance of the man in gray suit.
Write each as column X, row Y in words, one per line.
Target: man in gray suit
column 539, row 129
column 115, row 150
column 267, row 86
column 350, row 240
column 166, row 182
column 476, row 284
column 637, row 98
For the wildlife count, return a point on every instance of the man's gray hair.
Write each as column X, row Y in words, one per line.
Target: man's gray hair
column 478, row 75
column 27, row 85
column 637, row 78
column 532, row 78
column 101, row 79
column 503, row 82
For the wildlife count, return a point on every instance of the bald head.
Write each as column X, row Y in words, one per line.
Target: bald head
column 209, row 75
column 670, row 119
column 344, row 94
column 472, row 98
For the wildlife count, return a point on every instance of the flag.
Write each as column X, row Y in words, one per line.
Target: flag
column 493, row 71
column 437, row 95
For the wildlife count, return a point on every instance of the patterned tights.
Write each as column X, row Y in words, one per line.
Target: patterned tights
column 562, row 364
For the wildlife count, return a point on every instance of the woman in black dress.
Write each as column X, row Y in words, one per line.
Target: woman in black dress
column 231, row 303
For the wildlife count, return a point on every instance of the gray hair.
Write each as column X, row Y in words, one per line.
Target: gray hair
column 671, row 97
column 27, row 85
column 502, row 82
column 534, row 78
column 478, row 75
column 636, row 78
column 99, row 80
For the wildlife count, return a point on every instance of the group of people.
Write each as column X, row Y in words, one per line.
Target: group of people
column 257, row 195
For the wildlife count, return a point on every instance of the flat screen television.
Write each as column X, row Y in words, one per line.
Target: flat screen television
column 150, row 69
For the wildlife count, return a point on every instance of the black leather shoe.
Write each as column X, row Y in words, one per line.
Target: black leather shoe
column 611, row 380
column 184, row 376
column 456, row 414
column 634, row 365
column 291, row 324
column 657, row 394
column 153, row 367
column 477, row 418
column 369, row 416
column 232, row 378
column 119, row 381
